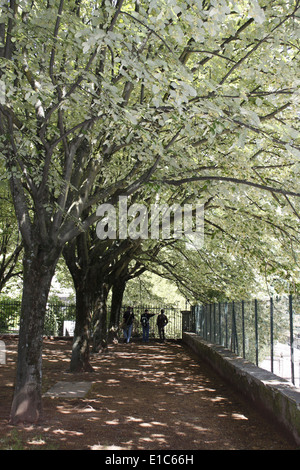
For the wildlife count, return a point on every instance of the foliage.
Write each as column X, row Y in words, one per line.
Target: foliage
column 149, row 289
column 193, row 100
column 182, row 100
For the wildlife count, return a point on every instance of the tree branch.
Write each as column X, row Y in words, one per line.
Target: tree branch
column 55, row 34
column 230, row 180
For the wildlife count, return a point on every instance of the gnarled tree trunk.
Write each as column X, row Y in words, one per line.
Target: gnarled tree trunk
column 100, row 317
column 39, row 266
column 118, row 289
column 76, row 258
column 80, row 359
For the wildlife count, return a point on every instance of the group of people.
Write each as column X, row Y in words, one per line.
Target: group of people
column 128, row 318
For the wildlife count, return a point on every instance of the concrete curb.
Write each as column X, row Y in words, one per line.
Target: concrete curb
column 69, row 389
column 276, row 397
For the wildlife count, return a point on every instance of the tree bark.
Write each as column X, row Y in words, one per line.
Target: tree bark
column 100, row 317
column 39, row 266
column 91, row 298
column 76, row 258
column 118, row 289
column 80, row 360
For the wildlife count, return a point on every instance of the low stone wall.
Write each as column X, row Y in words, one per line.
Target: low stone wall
column 276, row 397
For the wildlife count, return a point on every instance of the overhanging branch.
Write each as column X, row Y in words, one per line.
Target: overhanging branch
column 179, row 182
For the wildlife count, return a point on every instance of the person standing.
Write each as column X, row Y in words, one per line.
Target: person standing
column 161, row 322
column 145, row 324
column 128, row 318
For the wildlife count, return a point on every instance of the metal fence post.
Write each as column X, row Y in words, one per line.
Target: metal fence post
column 210, row 323
column 292, row 337
column 220, row 333
column 234, row 331
column 255, row 324
column 243, row 328
column 226, row 325
column 272, row 334
column 256, row 330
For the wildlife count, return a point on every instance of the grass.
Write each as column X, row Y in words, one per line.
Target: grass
column 16, row 440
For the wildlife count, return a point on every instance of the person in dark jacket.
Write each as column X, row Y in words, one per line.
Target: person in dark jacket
column 128, row 318
column 161, row 322
column 145, row 324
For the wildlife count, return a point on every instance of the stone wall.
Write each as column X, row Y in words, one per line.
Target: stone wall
column 274, row 396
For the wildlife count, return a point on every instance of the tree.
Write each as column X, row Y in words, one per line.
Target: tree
column 129, row 269
column 102, row 96
column 96, row 266
column 63, row 130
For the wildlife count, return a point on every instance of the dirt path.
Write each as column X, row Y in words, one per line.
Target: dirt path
column 143, row 396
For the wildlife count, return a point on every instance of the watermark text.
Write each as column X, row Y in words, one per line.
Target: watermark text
column 159, row 221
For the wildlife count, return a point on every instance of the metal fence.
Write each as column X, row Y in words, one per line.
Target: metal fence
column 173, row 329
column 58, row 315
column 9, row 316
column 265, row 332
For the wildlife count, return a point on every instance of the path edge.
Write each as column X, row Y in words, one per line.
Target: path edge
column 277, row 398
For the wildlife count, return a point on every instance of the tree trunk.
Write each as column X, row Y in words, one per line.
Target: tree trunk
column 116, row 305
column 100, row 317
column 91, row 296
column 77, row 261
column 39, row 267
column 80, row 360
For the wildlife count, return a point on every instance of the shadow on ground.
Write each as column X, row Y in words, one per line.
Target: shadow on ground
column 154, row 396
